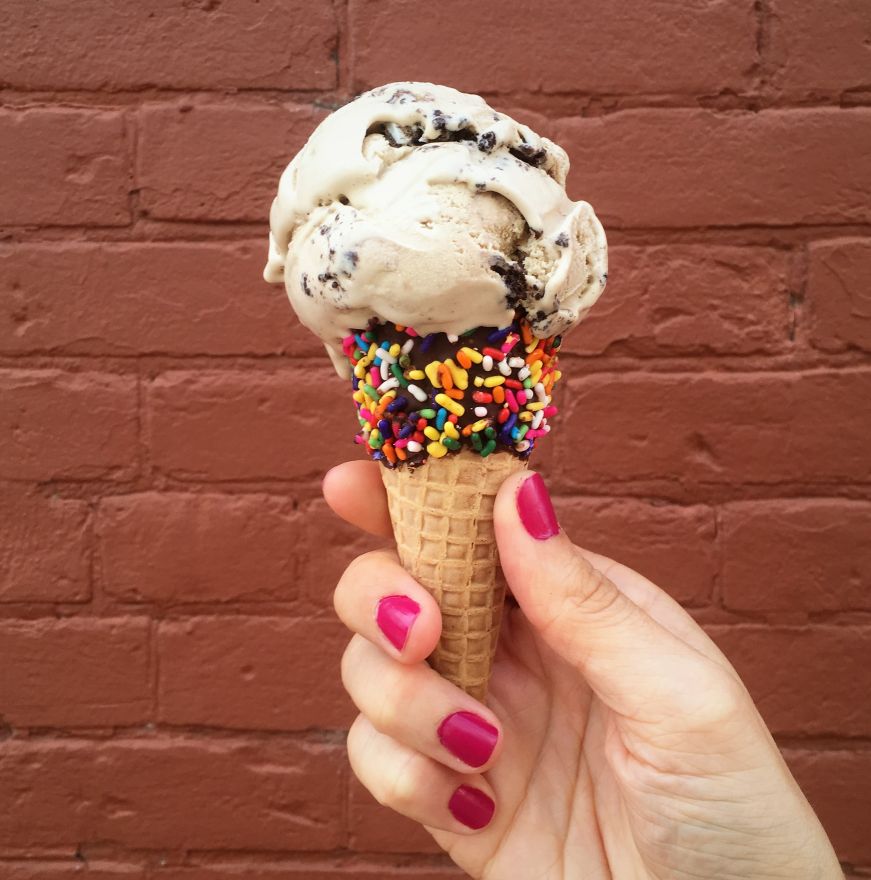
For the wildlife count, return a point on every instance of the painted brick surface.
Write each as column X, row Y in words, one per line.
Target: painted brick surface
column 170, row 704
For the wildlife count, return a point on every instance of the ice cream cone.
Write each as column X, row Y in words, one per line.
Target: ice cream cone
column 442, row 514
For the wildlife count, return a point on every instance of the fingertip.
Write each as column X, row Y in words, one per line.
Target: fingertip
column 354, row 491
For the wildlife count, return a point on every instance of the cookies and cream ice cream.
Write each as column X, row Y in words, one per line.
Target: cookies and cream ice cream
column 423, row 207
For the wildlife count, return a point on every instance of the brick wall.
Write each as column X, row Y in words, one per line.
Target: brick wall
column 169, row 699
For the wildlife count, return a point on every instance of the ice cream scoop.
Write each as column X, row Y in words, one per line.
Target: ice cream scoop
column 425, row 207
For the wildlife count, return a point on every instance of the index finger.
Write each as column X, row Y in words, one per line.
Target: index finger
column 355, row 492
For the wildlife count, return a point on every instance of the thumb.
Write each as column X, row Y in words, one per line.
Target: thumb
column 635, row 666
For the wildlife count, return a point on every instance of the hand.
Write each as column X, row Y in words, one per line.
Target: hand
column 618, row 742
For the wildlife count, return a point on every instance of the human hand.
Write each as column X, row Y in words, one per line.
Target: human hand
column 617, row 740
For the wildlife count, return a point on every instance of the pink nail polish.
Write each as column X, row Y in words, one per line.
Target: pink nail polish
column 471, row 807
column 395, row 615
column 535, row 509
column 469, row 737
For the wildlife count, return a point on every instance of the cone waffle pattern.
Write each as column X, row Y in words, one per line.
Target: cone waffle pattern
column 442, row 515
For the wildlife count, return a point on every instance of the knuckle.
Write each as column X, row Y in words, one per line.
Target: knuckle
column 351, row 661
column 400, row 788
column 716, row 700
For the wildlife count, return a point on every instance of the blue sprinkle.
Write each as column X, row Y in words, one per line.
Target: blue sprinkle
column 362, row 343
column 384, row 428
column 441, row 418
column 510, row 422
column 498, row 336
column 398, row 404
column 378, row 456
column 406, row 431
column 355, row 382
column 515, row 433
column 427, row 342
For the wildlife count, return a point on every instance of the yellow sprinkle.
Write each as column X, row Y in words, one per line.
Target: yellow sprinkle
column 432, row 433
column 436, row 450
column 451, row 431
column 478, row 381
column 449, row 404
column 373, row 348
column 534, row 407
column 358, row 396
column 535, row 372
column 395, row 349
column 474, row 356
column 557, row 375
column 376, row 434
column 532, row 346
column 458, row 374
column 360, row 370
column 432, row 373
column 416, row 375
column 480, row 425
column 525, row 416
column 493, row 381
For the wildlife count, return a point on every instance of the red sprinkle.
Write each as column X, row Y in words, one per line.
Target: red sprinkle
column 513, row 383
column 503, row 415
column 494, row 353
column 421, row 424
column 418, row 437
column 482, row 397
column 452, row 418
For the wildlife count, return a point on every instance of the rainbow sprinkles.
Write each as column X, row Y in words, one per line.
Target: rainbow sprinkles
column 428, row 396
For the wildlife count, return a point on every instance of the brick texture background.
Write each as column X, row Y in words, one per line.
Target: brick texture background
column 169, row 699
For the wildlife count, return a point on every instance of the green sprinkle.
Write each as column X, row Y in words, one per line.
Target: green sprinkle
column 476, row 441
column 372, row 392
column 404, row 361
column 489, row 433
column 469, row 332
column 427, row 413
column 450, row 443
column 521, row 432
column 528, row 383
column 490, row 447
column 375, row 441
column 397, row 371
column 358, row 354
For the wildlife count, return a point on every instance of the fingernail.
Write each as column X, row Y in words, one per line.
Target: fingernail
column 469, row 737
column 471, row 807
column 535, row 510
column 395, row 616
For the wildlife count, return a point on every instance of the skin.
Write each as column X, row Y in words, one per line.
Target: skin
column 628, row 746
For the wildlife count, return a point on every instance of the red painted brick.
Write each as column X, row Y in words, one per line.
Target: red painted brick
column 685, row 168
column 808, row 556
column 839, row 294
column 275, row 868
column 374, row 828
column 217, row 161
column 838, row 785
column 79, row 672
column 171, row 792
column 321, row 530
column 132, row 298
column 257, row 673
column 707, row 429
column 67, row 425
column 93, row 870
column 820, row 49
column 63, row 167
column 176, row 548
column 243, row 44
column 644, row 536
column 230, row 425
column 806, row 681
column 602, row 47
column 44, row 548
column 689, row 299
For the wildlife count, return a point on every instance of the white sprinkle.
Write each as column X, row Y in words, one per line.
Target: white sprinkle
column 545, row 427
column 452, row 337
column 523, row 375
column 539, row 392
column 385, row 370
column 536, row 419
column 487, row 363
column 407, row 346
column 389, row 385
column 480, row 411
column 386, row 357
column 413, row 446
column 419, row 393
column 504, row 369
column 516, row 363
column 522, row 446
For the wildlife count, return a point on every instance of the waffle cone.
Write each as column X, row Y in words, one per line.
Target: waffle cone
column 442, row 514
